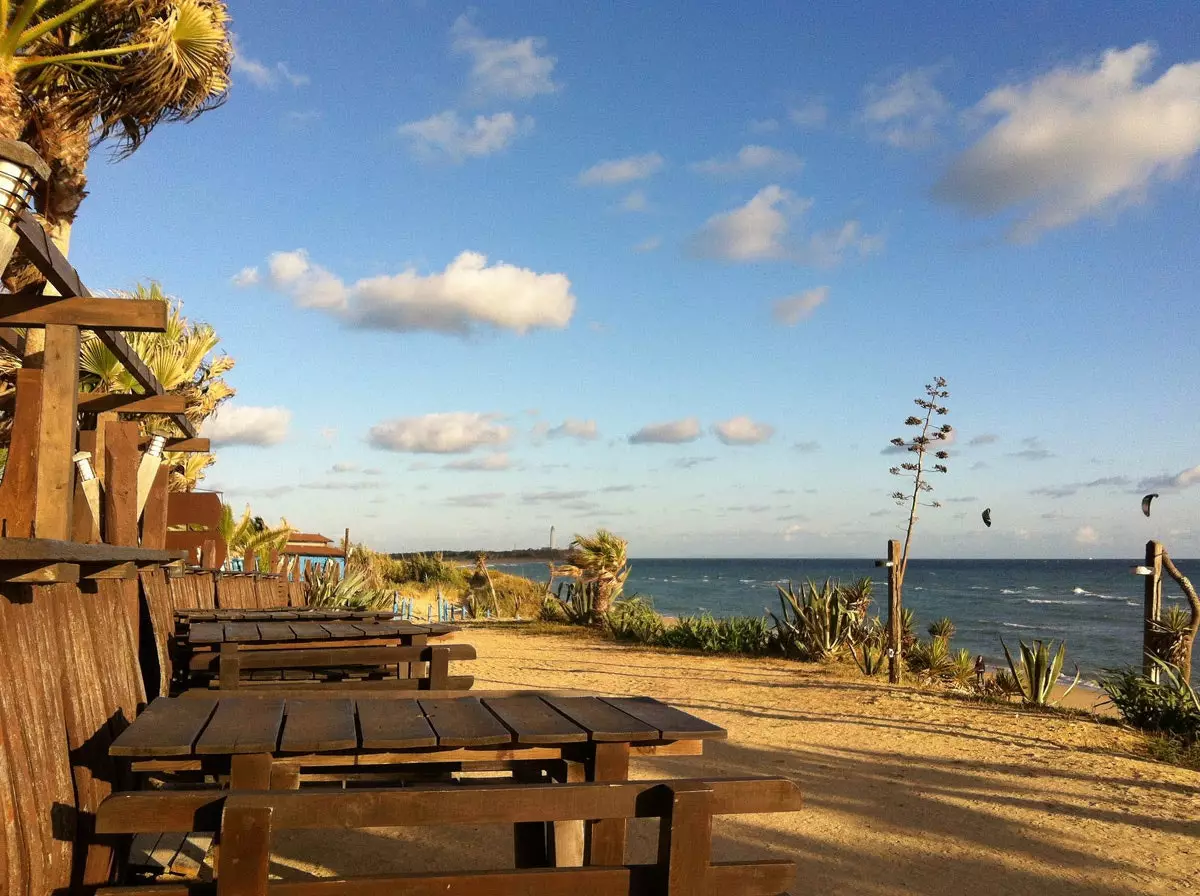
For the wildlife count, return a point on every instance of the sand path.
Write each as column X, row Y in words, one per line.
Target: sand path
column 906, row 791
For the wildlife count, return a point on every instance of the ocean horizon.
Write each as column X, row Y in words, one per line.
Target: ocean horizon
column 1095, row 605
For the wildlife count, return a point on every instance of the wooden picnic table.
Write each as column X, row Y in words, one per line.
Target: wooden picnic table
column 263, row 743
column 277, row 613
column 253, row 632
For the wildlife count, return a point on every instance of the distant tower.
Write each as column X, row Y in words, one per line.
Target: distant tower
column 551, row 538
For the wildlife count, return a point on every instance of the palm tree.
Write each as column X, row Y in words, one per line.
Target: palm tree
column 77, row 73
column 602, row 563
column 252, row 534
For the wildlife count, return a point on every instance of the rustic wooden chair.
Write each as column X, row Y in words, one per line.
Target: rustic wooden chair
column 244, row 822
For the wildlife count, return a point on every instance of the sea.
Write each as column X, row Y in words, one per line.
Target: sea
column 1094, row 605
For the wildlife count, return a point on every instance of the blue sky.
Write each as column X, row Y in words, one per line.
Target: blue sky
column 680, row 271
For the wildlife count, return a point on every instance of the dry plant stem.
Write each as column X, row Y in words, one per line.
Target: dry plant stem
column 912, row 510
column 1185, row 667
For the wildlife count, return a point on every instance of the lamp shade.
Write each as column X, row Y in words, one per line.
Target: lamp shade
column 20, row 169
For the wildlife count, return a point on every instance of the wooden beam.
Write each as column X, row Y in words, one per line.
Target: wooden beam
column 39, row 573
column 37, row 246
column 188, row 445
column 55, row 478
column 50, row 550
column 133, row 315
column 13, row 341
column 126, row 569
column 121, row 402
column 312, row 550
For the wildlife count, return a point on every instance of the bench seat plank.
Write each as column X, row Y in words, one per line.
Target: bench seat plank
column 309, row 631
column 534, row 722
column 242, row 632
column 342, row 630
column 165, row 728
column 464, row 723
column 674, row 724
column 603, row 722
column 311, row 726
column 394, row 725
column 277, row 630
column 242, row 727
column 206, row 632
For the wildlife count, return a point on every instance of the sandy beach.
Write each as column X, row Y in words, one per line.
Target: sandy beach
column 906, row 791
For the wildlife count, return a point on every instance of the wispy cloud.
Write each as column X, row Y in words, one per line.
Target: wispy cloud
column 1033, row 450
column 743, row 431
column 649, row 244
column 622, row 171
column 751, row 159
column 583, row 430
column 673, row 432
column 247, row 425
column 986, row 438
column 449, row 137
column 455, row 432
column 264, row 74
column 793, row 309
column 686, row 463
column 1181, row 480
column 806, row 447
column 907, row 111
column 503, row 69
column 491, row 463
column 635, row 201
column 476, row 499
column 811, row 113
column 1078, row 141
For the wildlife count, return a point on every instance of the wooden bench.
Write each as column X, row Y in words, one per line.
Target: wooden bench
column 425, row 667
column 245, row 820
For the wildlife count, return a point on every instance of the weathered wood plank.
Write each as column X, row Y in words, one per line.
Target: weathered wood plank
column 55, row 474
column 128, row 315
column 464, row 722
column 602, row 721
column 394, row 725
column 166, row 727
column 672, row 723
column 534, row 722
column 238, row 727
column 53, row 549
column 318, row 726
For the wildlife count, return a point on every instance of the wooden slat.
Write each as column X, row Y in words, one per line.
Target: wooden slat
column 276, row 631
column 135, row 812
column 206, row 633
column 38, row 572
column 57, row 426
column 53, row 549
column 242, row 632
column 312, row 687
column 766, row 878
column 238, row 727
column 342, row 630
column 318, row 726
column 165, row 728
column 12, row 341
column 331, row 657
column 534, row 722
column 125, row 403
column 312, row 550
column 244, row 861
column 602, row 721
column 191, row 444
column 685, row 838
column 464, row 722
column 674, row 724
column 309, row 631
column 393, row 725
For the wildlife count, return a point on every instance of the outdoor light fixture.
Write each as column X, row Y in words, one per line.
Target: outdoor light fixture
column 20, row 169
column 148, row 469
column 89, row 483
column 1142, row 571
column 883, row 562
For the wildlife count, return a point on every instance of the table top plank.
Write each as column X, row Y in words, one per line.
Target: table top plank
column 534, row 722
column 241, row 632
column 309, row 631
column 603, row 722
column 392, row 724
column 164, row 728
column 206, row 632
column 342, row 631
column 371, row 628
column 674, row 724
column 276, row 631
column 464, row 722
column 318, row 726
column 242, row 727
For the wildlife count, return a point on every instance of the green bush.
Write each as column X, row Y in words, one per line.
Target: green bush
column 1038, row 671
column 577, row 607
column 1170, row 707
column 328, row 586
column 815, row 624
column 428, row 569
column 738, row 634
column 868, row 647
column 633, row 619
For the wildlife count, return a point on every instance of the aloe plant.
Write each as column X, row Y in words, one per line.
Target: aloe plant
column 1039, row 671
column 815, row 624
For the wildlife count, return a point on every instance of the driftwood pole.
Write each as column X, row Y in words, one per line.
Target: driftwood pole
column 1153, row 610
column 895, row 659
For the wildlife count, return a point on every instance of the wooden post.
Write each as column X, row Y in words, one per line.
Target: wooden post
column 154, row 517
column 120, row 482
column 895, row 629
column 18, row 490
column 1153, row 610
column 55, row 479
column 346, row 545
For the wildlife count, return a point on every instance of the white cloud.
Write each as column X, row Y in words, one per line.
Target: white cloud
column 344, row 467
column 752, row 159
column 763, row 126
column 907, row 112
column 469, row 293
column 809, row 114
column 447, row 136
column 673, row 432
column 1086, row 535
column 456, row 432
column 509, row 69
column 262, row 74
column 246, row 277
column 759, row 231
column 635, row 202
column 743, row 431
column 649, row 244
column 490, row 463
column 1078, row 141
column 1180, row 480
column 584, row 430
column 793, row 309
column 247, row 425
column 622, row 171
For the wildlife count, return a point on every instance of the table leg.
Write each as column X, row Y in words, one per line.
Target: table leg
column 250, row 771
column 606, row 837
column 529, row 837
column 567, row 838
column 285, row 776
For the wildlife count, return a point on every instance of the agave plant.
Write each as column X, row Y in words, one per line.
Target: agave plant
column 328, row 586
column 602, row 563
column 815, row 624
column 869, row 648
column 1174, row 631
column 1039, row 671
column 942, row 629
